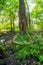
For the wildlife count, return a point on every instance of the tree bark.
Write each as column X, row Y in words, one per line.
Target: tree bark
column 22, row 16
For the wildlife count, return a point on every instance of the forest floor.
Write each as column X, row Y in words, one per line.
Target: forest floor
column 10, row 57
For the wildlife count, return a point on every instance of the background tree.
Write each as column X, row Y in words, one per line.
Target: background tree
column 37, row 13
column 9, row 9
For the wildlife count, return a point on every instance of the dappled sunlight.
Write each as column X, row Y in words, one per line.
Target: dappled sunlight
column 36, row 27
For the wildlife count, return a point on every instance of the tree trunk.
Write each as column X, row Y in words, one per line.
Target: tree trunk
column 22, row 16
column 12, row 25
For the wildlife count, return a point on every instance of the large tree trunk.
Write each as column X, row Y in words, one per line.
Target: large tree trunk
column 22, row 16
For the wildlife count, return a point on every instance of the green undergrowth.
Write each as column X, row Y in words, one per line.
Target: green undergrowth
column 2, row 47
column 29, row 44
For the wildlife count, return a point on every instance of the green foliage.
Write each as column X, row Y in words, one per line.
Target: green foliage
column 2, row 3
column 38, row 63
column 8, row 12
column 29, row 46
column 2, row 47
column 22, row 38
column 37, row 13
column 41, row 58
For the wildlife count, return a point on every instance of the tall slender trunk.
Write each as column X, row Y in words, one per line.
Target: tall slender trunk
column 12, row 25
column 28, row 13
column 29, row 18
column 22, row 16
